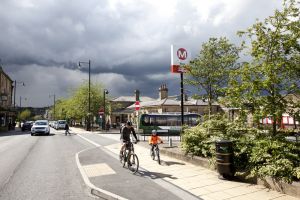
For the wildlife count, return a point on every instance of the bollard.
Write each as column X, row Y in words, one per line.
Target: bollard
column 170, row 142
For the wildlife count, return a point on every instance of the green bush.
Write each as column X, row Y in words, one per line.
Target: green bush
column 255, row 151
column 197, row 141
column 275, row 158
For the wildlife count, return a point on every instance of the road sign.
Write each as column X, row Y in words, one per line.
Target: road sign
column 137, row 105
column 101, row 111
column 182, row 54
column 179, row 57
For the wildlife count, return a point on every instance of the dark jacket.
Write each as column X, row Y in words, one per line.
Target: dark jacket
column 125, row 134
column 67, row 127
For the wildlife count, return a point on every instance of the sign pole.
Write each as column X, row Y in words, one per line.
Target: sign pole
column 137, row 108
column 182, row 109
column 179, row 57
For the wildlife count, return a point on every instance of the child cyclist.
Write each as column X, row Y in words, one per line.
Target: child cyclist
column 154, row 139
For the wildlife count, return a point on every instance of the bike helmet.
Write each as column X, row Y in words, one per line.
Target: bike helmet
column 154, row 132
column 129, row 123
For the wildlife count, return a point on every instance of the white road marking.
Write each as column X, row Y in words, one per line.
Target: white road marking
column 99, row 169
column 93, row 189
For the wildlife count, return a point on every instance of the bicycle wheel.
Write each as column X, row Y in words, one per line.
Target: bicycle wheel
column 152, row 154
column 158, row 156
column 133, row 162
column 123, row 158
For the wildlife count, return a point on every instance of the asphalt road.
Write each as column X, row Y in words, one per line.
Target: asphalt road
column 41, row 167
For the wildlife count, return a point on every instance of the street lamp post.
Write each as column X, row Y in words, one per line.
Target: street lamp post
column 15, row 88
column 105, row 91
column 88, row 127
column 53, row 105
column 25, row 99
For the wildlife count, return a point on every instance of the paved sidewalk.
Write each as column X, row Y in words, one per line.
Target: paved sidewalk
column 197, row 180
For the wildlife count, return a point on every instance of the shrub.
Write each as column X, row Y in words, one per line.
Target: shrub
column 197, row 141
column 275, row 158
column 255, row 150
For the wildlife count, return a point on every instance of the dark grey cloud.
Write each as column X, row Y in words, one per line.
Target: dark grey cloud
column 127, row 41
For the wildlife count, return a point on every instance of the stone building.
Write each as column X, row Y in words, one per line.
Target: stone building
column 164, row 104
column 7, row 113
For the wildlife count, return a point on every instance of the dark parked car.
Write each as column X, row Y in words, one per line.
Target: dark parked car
column 27, row 126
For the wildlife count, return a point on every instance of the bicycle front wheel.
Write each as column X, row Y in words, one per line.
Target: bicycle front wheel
column 152, row 154
column 158, row 156
column 133, row 162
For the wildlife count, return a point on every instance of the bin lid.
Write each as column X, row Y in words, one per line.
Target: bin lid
column 223, row 141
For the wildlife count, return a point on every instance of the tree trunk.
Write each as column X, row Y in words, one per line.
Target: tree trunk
column 274, row 131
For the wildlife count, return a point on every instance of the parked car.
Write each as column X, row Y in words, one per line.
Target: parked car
column 54, row 125
column 51, row 123
column 61, row 124
column 26, row 126
column 40, row 126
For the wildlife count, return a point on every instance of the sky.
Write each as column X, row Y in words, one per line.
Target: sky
column 127, row 41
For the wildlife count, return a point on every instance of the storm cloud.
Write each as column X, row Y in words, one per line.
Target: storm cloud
column 127, row 41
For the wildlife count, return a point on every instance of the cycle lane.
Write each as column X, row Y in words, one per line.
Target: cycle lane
column 195, row 180
column 110, row 180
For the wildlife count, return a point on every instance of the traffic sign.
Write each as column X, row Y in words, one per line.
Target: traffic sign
column 179, row 57
column 182, row 54
column 101, row 111
column 137, row 105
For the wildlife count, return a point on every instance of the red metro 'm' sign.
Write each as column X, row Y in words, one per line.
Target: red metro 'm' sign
column 179, row 56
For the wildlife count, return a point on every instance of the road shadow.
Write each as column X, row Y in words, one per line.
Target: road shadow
column 168, row 163
column 14, row 133
column 154, row 175
column 51, row 134
column 71, row 134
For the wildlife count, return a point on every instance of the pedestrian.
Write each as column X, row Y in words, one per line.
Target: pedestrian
column 67, row 129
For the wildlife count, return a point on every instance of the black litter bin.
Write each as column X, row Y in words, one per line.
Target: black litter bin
column 224, row 155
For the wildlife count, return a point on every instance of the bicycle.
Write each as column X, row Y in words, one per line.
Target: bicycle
column 128, row 156
column 155, row 153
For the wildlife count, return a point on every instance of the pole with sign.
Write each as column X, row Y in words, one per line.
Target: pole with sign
column 179, row 57
column 137, row 108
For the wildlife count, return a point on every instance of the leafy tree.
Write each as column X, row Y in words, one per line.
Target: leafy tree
column 273, row 72
column 38, row 117
column 76, row 106
column 24, row 115
column 209, row 72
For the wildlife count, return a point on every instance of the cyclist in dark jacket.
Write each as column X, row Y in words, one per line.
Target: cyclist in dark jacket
column 125, row 135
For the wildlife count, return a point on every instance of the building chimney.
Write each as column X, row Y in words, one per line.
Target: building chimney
column 137, row 95
column 163, row 91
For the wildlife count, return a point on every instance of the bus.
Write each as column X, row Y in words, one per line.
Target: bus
column 169, row 123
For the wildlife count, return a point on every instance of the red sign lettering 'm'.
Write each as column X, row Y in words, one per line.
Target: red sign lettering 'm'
column 182, row 54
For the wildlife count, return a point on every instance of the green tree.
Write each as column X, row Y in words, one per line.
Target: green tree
column 38, row 117
column 209, row 72
column 273, row 72
column 25, row 115
column 76, row 106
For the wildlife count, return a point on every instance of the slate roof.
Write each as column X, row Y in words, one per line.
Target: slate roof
column 171, row 102
column 131, row 99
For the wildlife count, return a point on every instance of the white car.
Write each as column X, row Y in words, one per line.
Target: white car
column 40, row 126
column 61, row 124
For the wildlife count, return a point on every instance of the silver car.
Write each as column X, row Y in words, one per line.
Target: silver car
column 40, row 127
column 61, row 124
